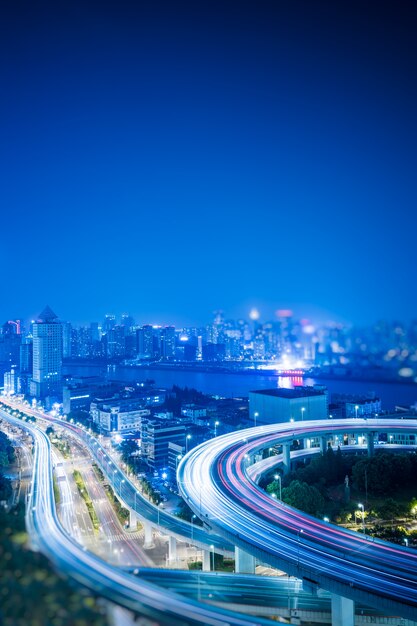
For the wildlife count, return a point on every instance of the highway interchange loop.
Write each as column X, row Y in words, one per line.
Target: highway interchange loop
column 115, row 584
column 214, row 480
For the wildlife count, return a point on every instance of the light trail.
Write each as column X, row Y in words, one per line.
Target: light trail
column 214, row 480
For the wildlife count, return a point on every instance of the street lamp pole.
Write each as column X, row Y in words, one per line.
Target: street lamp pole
column 278, row 477
column 136, row 493
column 361, row 506
column 216, row 423
column 255, row 415
column 160, row 505
column 356, row 410
column 193, row 517
column 188, row 437
column 302, row 413
column 212, row 555
column 298, row 544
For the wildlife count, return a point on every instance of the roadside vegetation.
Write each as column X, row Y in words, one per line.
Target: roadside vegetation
column 332, row 485
column 49, row 599
column 121, row 512
column 7, row 457
column 82, row 489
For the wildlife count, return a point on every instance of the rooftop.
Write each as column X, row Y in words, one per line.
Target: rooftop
column 298, row 392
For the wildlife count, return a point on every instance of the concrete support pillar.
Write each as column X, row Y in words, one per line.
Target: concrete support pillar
column 133, row 520
column 172, row 549
column 370, row 443
column 343, row 611
column 323, row 445
column 286, row 457
column 207, row 560
column 244, row 562
column 148, row 535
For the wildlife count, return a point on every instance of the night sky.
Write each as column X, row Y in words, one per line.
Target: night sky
column 169, row 159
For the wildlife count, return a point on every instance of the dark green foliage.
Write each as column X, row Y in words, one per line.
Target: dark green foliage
column 150, row 492
column 32, row 594
column 391, row 509
column 7, row 454
column 5, row 488
column 134, row 461
column 183, row 396
column 305, row 497
column 385, row 472
column 184, row 512
column 121, row 512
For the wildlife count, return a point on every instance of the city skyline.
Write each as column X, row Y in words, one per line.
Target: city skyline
column 208, row 323
column 251, row 314
column 177, row 158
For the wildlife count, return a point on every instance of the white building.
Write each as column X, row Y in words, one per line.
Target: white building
column 196, row 413
column 118, row 416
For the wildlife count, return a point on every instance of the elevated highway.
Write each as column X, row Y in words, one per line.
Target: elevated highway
column 347, row 564
column 113, row 583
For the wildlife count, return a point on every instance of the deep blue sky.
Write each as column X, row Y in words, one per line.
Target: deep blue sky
column 169, row 159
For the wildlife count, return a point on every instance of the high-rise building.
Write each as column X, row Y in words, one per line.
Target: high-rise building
column 168, row 342
column 10, row 341
column 66, row 340
column 26, row 356
column 47, row 356
column 144, row 337
column 10, row 382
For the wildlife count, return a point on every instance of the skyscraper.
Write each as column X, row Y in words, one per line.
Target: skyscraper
column 144, row 337
column 168, row 342
column 47, row 356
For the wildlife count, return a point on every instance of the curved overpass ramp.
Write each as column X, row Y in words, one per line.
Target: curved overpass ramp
column 343, row 562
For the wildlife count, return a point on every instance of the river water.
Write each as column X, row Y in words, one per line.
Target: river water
column 237, row 385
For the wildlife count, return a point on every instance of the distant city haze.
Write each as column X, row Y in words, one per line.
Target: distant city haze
column 169, row 160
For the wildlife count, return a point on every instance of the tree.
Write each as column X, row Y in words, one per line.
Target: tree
column 304, row 497
column 5, row 487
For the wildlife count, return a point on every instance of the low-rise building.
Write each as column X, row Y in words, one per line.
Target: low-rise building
column 268, row 406
column 197, row 414
column 156, row 436
column 118, row 415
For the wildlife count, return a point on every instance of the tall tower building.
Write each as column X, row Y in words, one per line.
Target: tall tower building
column 168, row 342
column 47, row 356
column 144, row 338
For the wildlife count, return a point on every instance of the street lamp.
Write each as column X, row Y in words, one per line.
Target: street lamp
column 278, row 477
column 188, row 437
column 136, row 493
column 215, row 428
column 302, row 413
column 363, row 517
column 255, row 415
column 356, row 410
column 160, row 506
column 193, row 517
column 212, row 556
column 298, row 545
column 179, row 457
